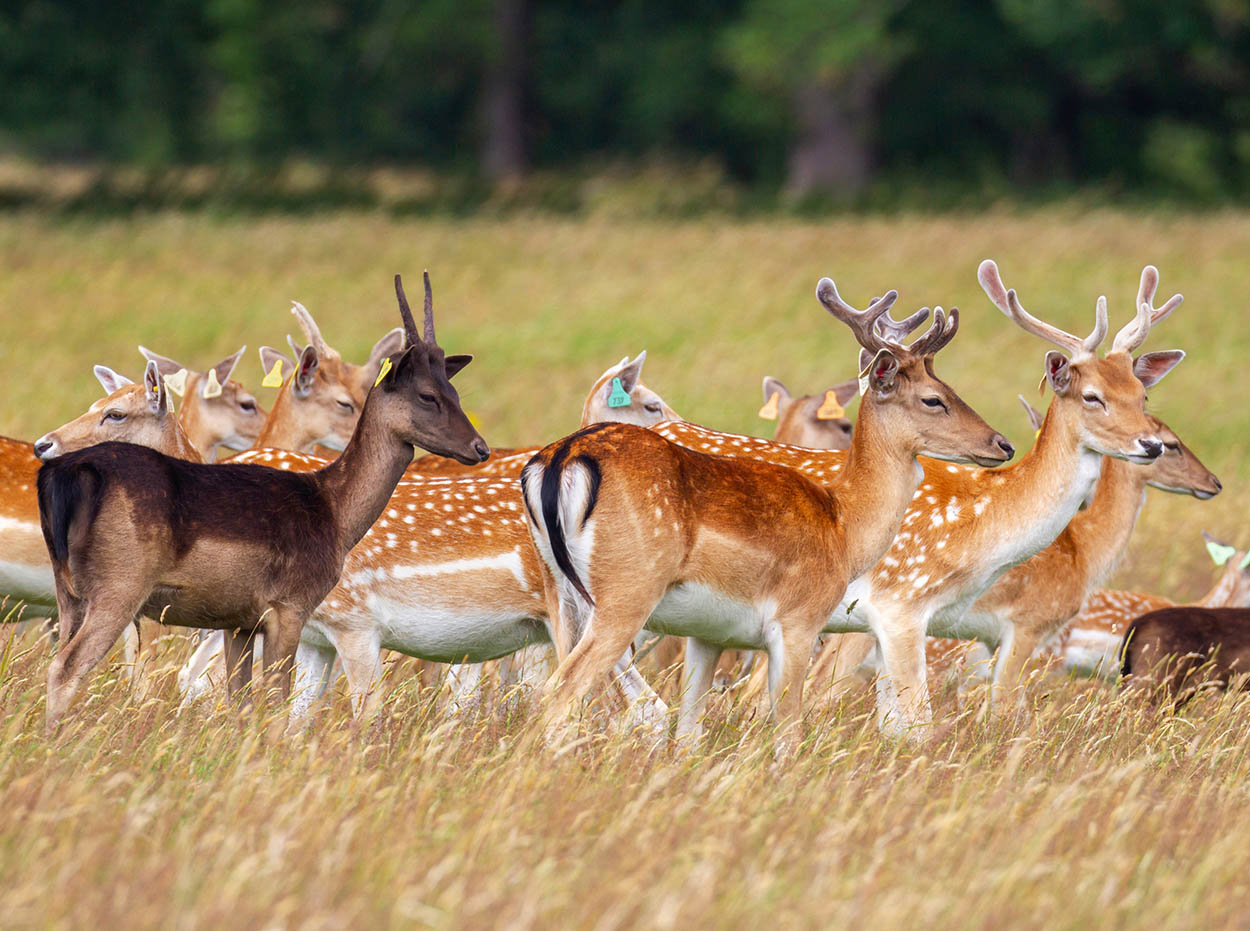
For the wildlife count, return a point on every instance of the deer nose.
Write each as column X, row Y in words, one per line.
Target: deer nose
column 1151, row 446
column 1219, row 486
column 482, row 450
column 43, row 445
column 1001, row 442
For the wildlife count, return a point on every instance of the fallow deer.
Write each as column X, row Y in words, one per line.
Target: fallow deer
column 1090, row 644
column 617, row 396
column 1181, row 651
column 234, row 547
column 817, row 421
column 637, row 530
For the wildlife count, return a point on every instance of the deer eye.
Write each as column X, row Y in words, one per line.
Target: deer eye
column 1094, row 400
column 249, row 407
column 114, row 416
column 426, row 397
column 1173, row 447
column 651, row 408
column 345, row 406
column 934, row 403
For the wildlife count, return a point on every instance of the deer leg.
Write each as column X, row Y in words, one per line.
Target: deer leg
column 102, row 623
column 238, row 657
column 696, row 681
column 904, row 709
column 204, row 669
column 361, row 656
column 840, row 658
column 312, row 678
column 789, row 645
column 1014, row 652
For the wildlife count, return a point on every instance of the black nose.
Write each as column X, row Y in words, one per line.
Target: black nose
column 482, row 450
column 42, row 447
column 1006, row 447
column 1153, row 448
column 1219, row 486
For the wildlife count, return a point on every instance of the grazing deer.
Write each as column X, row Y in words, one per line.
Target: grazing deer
column 965, row 527
column 637, row 530
column 1183, row 650
column 447, row 574
column 234, row 547
column 617, row 396
column 1090, row 644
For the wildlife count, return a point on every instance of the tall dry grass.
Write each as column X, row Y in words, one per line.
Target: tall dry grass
column 1088, row 808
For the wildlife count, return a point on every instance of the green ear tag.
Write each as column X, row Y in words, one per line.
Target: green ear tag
column 1245, row 561
column 619, row 396
column 1220, row 554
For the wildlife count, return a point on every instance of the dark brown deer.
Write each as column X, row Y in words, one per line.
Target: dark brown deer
column 1185, row 649
column 240, row 548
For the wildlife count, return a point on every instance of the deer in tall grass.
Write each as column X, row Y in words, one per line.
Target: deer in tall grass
column 637, row 530
column 1180, row 651
column 447, row 574
column 240, row 548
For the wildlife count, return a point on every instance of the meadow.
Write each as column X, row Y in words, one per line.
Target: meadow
column 1088, row 807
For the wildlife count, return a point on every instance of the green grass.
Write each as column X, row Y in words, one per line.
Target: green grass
column 1088, row 809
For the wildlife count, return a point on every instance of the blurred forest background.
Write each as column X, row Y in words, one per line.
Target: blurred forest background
column 742, row 104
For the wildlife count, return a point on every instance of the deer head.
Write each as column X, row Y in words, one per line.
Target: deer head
column 630, row 401
column 1177, row 469
column 1101, row 399
column 131, row 413
column 215, row 410
column 902, row 397
column 818, row 421
column 414, row 399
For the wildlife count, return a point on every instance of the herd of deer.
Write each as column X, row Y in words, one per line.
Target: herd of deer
column 837, row 554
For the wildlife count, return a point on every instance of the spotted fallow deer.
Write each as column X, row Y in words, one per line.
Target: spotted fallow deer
column 617, row 396
column 637, row 530
column 1090, row 644
column 234, row 547
column 447, row 574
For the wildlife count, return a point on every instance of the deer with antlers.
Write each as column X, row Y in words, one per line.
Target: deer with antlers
column 637, row 530
column 238, row 548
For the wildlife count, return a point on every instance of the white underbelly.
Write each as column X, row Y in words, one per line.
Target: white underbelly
column 449, row 635
column 21, row 582
column 695, row 610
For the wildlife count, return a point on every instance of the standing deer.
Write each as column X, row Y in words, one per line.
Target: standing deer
column 238, row 548
column 637, row 530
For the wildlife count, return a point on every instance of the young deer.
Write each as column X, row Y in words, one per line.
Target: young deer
column 447, row 574
column 234, row 547
column 630, row 401
column 1090, row 644
column 637, row 530
column 817, row 421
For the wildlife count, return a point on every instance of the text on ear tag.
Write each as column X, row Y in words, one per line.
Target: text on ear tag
column 830, row 409
column 212, row 389
column 619, row 396
column 386, row 367
column 1220, row 553
column 273, row 379
column 769, row 410
column 177, row 382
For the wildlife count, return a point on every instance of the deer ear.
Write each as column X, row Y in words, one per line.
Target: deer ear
column 774, row 386
column 388, row 345
column 167, row 365
column 1035, row 416
column 154, row 390
column 631, row 372
column 1058, row 372
column 109, row 380
column 455, row 363
column 846, row 392
column 225, row 368
column 1150, row 367
column 269, row 358
column 305, row 372
column 881, row 373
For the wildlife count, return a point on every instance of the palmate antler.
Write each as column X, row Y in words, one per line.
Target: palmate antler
column 862, row 322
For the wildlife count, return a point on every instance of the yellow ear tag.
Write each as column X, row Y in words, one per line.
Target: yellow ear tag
column 177, row 382
column 274, row 378
column 1037, row 434
column 212, row 389
column 831, row 409
column 386, row 367
column 769, row 410
column 477, row 424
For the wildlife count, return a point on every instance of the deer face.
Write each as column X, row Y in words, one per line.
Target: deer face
column 324, row 396
column 1108, row 403
column 215, row 410
column 1178, row 470
column 630, row 401
column 131, row 413
column 817, row 421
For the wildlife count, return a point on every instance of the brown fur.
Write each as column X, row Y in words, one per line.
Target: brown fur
column 1183, row 650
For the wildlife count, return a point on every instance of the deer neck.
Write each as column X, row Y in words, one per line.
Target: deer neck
column 1101, row 532
column 195, row 431
column 280, row 431
column 360, row 482
column 873, row 490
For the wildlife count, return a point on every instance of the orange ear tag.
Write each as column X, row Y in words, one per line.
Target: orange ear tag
column 274, row 378
column 830, row 409
column 769, row 410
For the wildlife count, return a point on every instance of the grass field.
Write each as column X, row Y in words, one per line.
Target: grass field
column 1088, row 809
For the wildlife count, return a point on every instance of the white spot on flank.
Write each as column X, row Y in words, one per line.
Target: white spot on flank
column 978, row 508
column 936, row 519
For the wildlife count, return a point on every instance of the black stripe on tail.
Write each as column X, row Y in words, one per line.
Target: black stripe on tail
column 63, row 494
column 550, row 498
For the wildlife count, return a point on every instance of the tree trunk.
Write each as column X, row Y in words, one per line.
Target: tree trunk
column 832, row 153
column 503, row 149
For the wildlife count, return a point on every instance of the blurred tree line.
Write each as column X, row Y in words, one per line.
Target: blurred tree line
column 802, row 95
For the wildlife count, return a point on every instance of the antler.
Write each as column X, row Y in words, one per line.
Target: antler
column 938, row 335
column 311, row 331
column 895, row 331
column 861, row 322
column 405, row 312
column 1009, row 304
column 429, row 311
column 1136, row 330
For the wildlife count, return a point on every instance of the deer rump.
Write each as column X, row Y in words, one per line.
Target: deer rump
column 205, row 566
column 1190, row 647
